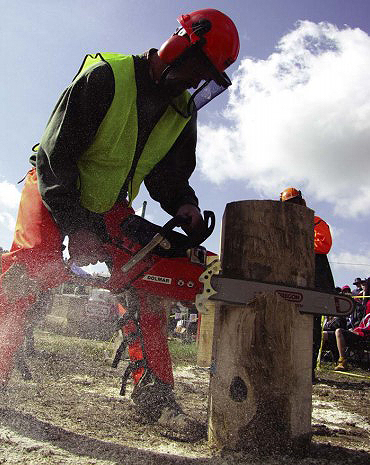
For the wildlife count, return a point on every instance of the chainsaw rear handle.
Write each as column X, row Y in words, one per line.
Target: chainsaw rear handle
column 194, row 239
column 174, row 222
column 209, row 226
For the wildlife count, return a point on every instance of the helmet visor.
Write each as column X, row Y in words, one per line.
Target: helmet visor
column 213, row 84
column 212, row 87
column 205, row 93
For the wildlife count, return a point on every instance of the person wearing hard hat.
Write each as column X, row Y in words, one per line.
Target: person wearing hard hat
column 123, row 121
column 323, row 275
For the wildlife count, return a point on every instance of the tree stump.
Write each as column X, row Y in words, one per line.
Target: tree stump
column 261, row 387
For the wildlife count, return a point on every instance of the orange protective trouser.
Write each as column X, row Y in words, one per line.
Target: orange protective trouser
column 148, row 339
column 37, row 246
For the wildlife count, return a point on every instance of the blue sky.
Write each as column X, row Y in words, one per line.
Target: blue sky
column 297, row 115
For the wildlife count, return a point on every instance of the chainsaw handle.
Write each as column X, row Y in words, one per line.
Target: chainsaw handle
column 210, row 222
column 173, row 223
column 195, row 239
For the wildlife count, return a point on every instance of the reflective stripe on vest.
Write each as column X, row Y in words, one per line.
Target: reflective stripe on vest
column 105, row 165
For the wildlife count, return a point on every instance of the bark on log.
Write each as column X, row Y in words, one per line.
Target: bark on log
column 260, row 389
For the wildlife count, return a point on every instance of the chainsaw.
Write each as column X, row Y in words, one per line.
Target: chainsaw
column 222, row 289
column 159, row 260
column 172, row 265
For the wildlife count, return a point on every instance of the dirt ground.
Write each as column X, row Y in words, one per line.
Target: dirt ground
column 71, row 413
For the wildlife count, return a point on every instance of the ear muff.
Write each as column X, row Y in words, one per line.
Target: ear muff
column 173, row 48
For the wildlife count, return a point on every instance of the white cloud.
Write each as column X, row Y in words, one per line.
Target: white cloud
column 9, row 200
column 301, row 117
column 358, row 264
column 7, row 220
column 9, row 195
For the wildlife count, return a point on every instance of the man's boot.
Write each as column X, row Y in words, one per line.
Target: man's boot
column 155, row 402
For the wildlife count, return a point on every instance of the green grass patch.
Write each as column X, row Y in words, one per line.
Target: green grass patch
column 183, row 353
column 70, row 346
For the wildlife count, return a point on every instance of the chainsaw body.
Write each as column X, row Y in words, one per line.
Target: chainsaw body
column 169, row 263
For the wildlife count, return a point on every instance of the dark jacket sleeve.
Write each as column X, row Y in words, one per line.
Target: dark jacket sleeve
column 323, row 275
column 168, row 182
column 69, row 132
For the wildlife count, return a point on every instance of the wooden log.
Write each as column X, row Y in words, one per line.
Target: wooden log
column 205, row 339
column 261, row 388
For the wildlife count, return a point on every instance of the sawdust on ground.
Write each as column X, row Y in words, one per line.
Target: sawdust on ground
column 71, row 413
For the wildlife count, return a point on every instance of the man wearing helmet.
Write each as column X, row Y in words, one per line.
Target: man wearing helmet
column 323, row 275
column 122, row 121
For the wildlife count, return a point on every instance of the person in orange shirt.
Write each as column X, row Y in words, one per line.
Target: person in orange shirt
column 323, row 275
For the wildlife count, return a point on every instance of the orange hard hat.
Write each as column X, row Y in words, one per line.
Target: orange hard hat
column 290, row 193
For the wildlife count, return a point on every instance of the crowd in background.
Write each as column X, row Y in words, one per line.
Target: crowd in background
column 361, row 295
column 353, row 331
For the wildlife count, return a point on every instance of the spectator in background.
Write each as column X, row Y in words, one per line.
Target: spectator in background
column 346, row 290
column 358, row 289
column 332, row 323
column 345, row 338
column 360, row 304
column 366, row 301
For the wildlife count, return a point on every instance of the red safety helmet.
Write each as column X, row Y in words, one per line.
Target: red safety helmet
column 221, row 36
column 213, row 36
column 290, row 193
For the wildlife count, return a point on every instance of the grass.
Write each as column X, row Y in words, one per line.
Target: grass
column 69, row 345
column 181, row 353
column 355, row 372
